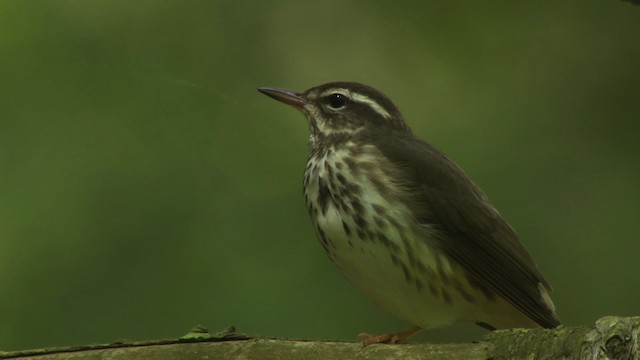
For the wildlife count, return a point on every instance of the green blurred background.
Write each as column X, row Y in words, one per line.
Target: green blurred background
column 146, row 186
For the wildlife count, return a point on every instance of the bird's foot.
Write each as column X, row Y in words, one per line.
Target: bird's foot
column 392, row 338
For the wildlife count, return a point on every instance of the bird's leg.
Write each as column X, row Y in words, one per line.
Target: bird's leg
column 393, row 338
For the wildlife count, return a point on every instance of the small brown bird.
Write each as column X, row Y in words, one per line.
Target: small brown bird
column 405, row 224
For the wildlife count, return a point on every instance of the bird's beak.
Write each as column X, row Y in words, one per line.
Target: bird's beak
column 288, row 97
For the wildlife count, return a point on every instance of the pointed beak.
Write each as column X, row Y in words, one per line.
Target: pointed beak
column 288, row 97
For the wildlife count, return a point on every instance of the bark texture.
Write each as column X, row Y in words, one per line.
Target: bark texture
column 610, row 338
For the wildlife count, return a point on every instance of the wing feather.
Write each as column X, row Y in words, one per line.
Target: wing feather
column 473, row 232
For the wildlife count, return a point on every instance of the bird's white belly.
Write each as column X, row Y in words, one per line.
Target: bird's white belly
column 378, row 245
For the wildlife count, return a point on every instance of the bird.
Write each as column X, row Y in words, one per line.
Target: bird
column 405, row 224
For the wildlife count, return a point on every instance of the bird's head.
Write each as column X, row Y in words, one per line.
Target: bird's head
column 339, row 110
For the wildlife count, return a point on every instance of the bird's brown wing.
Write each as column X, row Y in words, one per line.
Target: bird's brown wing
column 473, row 232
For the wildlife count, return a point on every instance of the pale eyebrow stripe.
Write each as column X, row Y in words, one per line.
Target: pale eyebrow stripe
column 341, row 91
column 374, row 105
column 360, row 99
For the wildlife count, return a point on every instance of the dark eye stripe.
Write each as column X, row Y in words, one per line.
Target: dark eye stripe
column 359, row 98
column 362, row 99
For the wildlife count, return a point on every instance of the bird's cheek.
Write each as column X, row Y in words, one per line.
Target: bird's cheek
column 310, row 110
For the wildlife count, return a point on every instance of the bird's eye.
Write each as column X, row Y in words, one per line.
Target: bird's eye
column 337, row 101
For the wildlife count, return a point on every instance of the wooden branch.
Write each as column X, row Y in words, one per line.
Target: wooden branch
column 610, row 338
